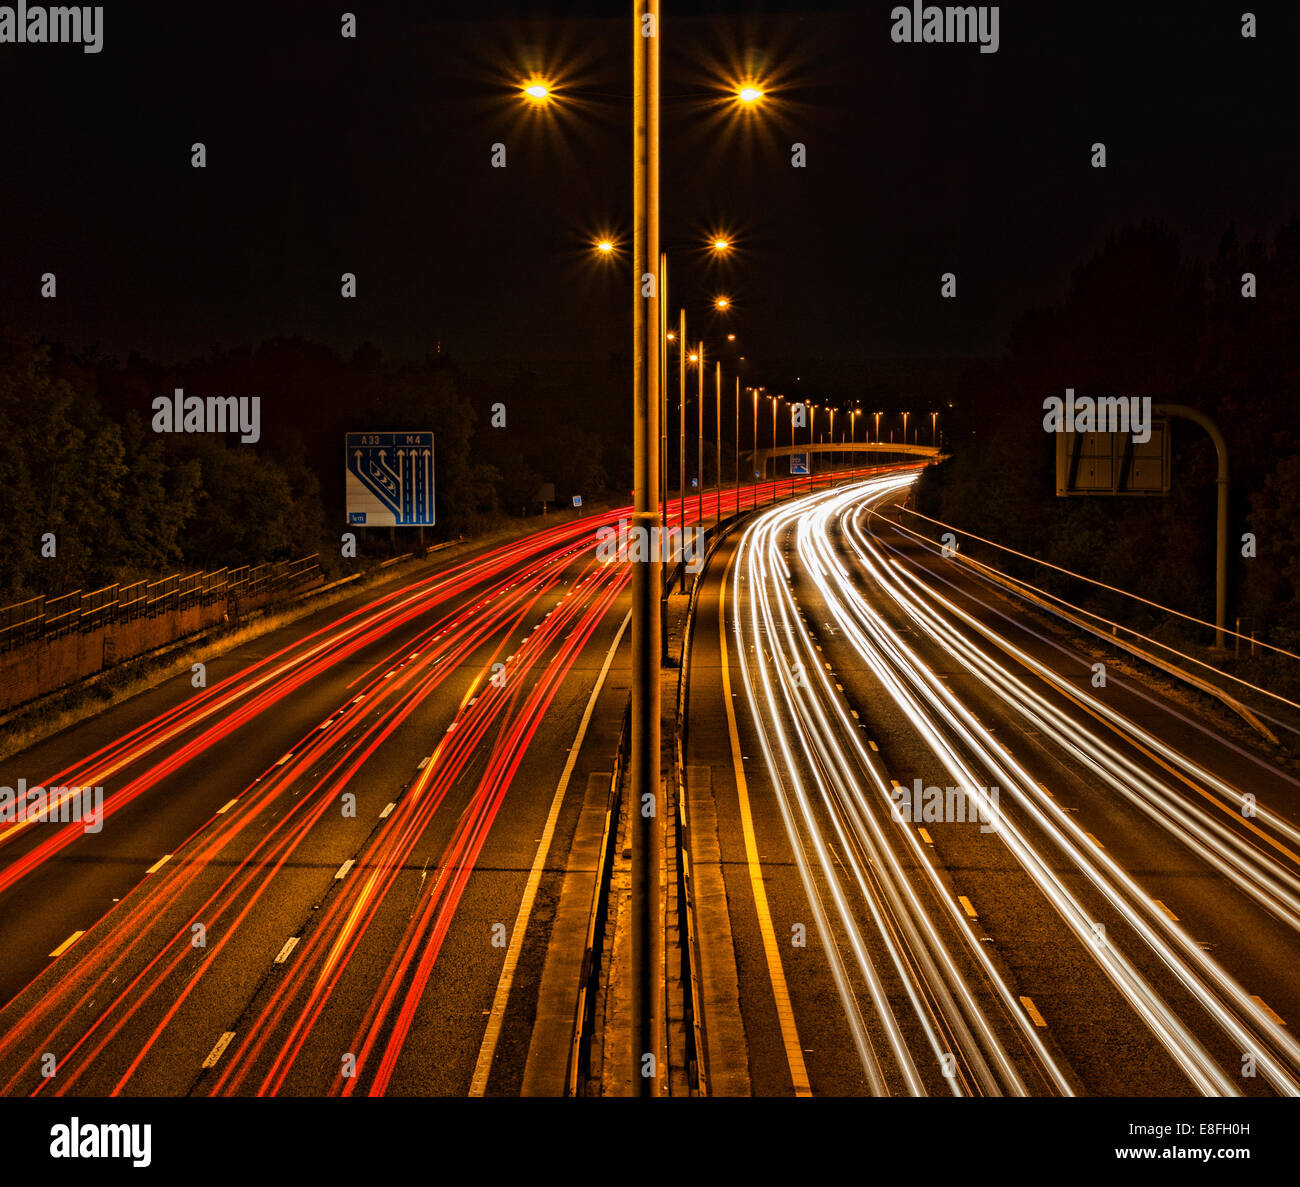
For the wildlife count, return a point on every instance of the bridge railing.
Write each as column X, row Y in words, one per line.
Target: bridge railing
column 45, row 617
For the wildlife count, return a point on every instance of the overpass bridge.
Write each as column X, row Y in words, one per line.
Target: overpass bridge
column 839, row 449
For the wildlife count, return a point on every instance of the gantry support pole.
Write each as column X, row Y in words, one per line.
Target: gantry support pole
column 1221, row 541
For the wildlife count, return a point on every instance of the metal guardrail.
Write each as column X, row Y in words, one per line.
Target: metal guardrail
column 48, row 618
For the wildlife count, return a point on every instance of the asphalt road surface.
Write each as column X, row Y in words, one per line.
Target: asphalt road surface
column 953, row 864
column 334, row 868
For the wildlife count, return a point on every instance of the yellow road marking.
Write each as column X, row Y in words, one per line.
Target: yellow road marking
column 966, row 906
column 216, row 1052
column 1094, row 840
column 925, row 836
column 227, row 806
column 1165, row 909
column 1272, row 1013
column 72, row 939
column 158, row 865
column 1032, row 1011
column 780, row 990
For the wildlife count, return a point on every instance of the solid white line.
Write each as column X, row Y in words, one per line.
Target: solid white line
column 478, row 1085
column 283, row 954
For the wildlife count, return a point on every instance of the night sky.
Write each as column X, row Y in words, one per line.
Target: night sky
column 372, row 156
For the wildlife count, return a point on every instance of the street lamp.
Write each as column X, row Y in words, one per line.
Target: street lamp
column 537, row 91
column 774, row 400
column 737, row 474
column 718, row 441
column 699, row 455
column 722, row 304
column 681, row 442
column 645, row 828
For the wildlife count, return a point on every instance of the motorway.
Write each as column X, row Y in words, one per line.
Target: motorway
column 333, row 869
column 310, row 874
column 336, row 869
column 1101, row 898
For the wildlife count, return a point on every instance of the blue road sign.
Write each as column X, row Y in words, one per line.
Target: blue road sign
column 390, row 479
column 798, row 463
column 577, row 500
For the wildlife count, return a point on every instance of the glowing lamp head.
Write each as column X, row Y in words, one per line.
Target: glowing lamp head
column 604, row 247
column 695, row 358
column 749, row 94
column 722, row 303
column 536, row 90
column 721, row 244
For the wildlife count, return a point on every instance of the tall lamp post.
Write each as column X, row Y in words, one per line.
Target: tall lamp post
column 683, row 357
column 665, row 336
column 737, row 475
column 699, row 455
column 717, row 510
column 646, row 787
column 774, row 400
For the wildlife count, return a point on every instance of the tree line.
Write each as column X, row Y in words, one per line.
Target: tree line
column 1140, row 319
column 82, row 464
